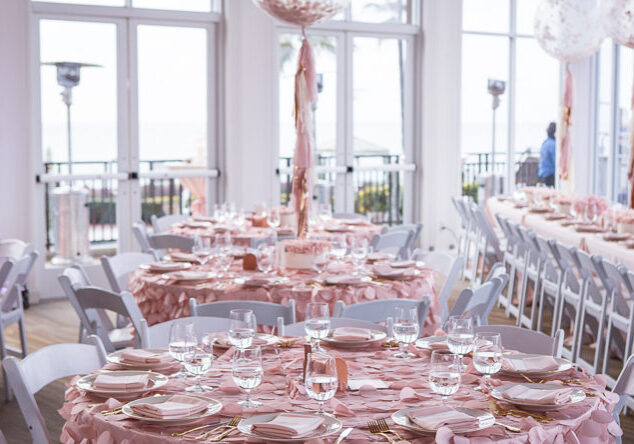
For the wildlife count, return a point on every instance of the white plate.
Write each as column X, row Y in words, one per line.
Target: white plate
column 257, row 282
column 166, row 267
column 348, row 280
column 425, row 343
column 376, row 336
column 115, row 358
column 486, row 420
column 577, row 396
column 181, row 257
column 564, row 365
column 331, row 425
column 337, row 229
column 403, row 264
column 196, row 224
column 194, row 276
column 156, row 380
column 397, row 274
column 214, row 407
column 269, row 340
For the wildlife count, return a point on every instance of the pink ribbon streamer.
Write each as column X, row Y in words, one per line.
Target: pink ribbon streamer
column 630, row 171
column 565, row 138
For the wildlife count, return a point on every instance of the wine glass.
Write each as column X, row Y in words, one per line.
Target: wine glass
column 247, row 372
column 338, row 247
column 359, row 254
column 321, row 378
column 405, row 329
column 317, row 324
column 274, row 217
column 182, row 340
column 223, row 241
column 242, row 327
column 224, row 259
column 202, row 249
column 444, row 375
column 219, row 213
column 591, row 212
column 320, row 261
column 266, row 255
column 197, row 362
column 460, row 336
column 487, row 355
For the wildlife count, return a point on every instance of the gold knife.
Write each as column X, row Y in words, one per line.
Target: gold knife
column 344, row 435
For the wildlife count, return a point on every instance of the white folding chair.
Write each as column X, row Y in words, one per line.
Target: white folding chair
column 624, row 387
column 3, row 440
column 29, row 376
column 550, row 280
column 158, row 335
column 464, row 223
column 171, row 241
column 445, row 265
column 266, row 313
column 525, row 340
column 139, row 229
column 379, row 310
column 119, row 267
column 163, row 223
column 395, row 243
column 478, row 303
column 487, row 244
column 531, row 278
column 414, row 228
column 15, row 248
column 297, row 329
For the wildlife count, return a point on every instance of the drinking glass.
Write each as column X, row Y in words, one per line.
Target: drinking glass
column 224, row 259
column 338, row 247
column 444, row 375
column 320, row 261
column 202, row 249
column 242, row 327
column 359, row 254
column 460, row 336
column 182, row 340
column 317, row 324
column 219, row 213
column 321, row 378
column 223, row 241
column 247, row 372
column 591, row 213
column 266, row 254
column 325, row 212
column 405, row 329
column 197, row 362
column 274, row 217
column 487, row 355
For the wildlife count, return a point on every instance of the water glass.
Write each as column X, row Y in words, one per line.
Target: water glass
column 487, row 355
column 338, row 247
column 182, row 340
column 325, row 212
column 266, row 258
column 219, row 213
column 321, row 378
column 197, row 362
column 242, row 327
column 224, row 260
column 247, row 372
column 320, row 261
column 359, row 254
column 405, row 330
column 317, row 324
column 202, row 249
column 223, row 241
column 460, row 336
column 274, row 217
column 444, row 374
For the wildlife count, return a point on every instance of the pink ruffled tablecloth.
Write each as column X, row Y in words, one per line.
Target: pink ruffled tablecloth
column 589, row 421
column 161, row 300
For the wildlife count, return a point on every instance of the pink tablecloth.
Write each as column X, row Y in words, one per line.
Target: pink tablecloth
column 159, row 300
column 592, row 243
column 589, row 421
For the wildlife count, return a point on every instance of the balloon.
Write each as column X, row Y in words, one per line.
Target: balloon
column 569, row 30
column 618, row 19
column 302, row 13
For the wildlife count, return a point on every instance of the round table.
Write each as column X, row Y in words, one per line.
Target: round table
column 589, row 421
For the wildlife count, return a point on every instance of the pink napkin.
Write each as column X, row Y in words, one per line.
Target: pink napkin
column 138, row 356
column 104, row 381
column 177, row 406
column 345, row 279
column 180, row 256
column 530, row 364
column 190, row 275
column 165, row 266
column 288, row 425
column 351, row 334
column 521, row 392
column 258, row 281
column 433, row 418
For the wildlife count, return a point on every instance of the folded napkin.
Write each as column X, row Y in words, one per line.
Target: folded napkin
column 520, row 392
column 530, row 364
column 344, row 279
column 288, row 425
column 177, row 406
column 258, row 281
column 439, row 345
column 165, row 266
column 403, row 264
column 190, row 275
column 351, row 334
column 105, row 381
column 433, row 418
column 138, row 356
column 183, row 257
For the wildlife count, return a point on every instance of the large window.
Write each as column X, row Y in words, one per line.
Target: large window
column 497, row 43
column 363, row 116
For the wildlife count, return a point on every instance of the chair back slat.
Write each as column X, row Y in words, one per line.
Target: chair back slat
column 298, row 328
column 162, row 224
column 377, row 311
column 119, row 267
column 266, row 313
column 171, row 241
column 158, row 335
column 524, row 340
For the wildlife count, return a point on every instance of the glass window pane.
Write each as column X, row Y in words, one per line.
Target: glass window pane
column 604, row 119
column 537, row 104
column 87, row 2
column 624, row 123
column 380, row 11
column 485, row 15
column 526, row 15
column 483, row 58
column 180, row 5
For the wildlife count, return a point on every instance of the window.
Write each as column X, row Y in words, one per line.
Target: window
column 173, row 5
column 497, row 43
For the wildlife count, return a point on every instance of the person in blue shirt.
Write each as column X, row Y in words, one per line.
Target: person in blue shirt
column 546, row 168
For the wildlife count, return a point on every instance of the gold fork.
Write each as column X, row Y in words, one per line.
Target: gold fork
column 231, row 425
column 386, row 429
column 375, row 429
column 195, row 429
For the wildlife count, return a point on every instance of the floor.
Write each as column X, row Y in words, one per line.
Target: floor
column 56, row 322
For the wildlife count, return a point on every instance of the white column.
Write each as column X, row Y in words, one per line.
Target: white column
column 439, row 158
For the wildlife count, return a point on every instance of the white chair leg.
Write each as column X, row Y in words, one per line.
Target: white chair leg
column 23, row 337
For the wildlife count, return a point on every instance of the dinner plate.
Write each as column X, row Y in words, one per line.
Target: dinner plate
column 166, row 267
column 354, row 221
column 377, row 335
column 194, row 276
column 181, row 257
column 564, row 365
column 486, row 420
column 338, row 229
column 331, row 425
column 115, row 358
column 397, row 273
column 379, row 256
column 426, row 343
column 196, row 224
column 616, row 237
column 222, row 340
column 348, row 280
column 156, row 380
column 586, row 228
column 259, row 282
column 213, row 407
column 577, row 396
column 403, row 264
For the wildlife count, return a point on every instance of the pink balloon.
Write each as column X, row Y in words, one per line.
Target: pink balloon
column 302, row 13
column 618, row 17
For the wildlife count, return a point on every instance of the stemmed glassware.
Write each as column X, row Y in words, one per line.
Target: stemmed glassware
column 266, row 254
column 320, row 261
column 182, row 340
column 202, row 249
column 405, row 330
column 487, row 355
column 317, row 324
column 197, row 362
column 274, row 217
column 359, row 254
column 247, row 372
column 242, row 327
column 338, row 247
column 460, row 336
column 321, row 378
column 444, row 375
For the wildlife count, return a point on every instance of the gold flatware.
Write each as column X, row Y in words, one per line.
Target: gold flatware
column 500, row 411
column 343, row 435
column 527, row 378
column 386, row 429
column 509, row 427
column 376, row 430
column 231, row 425
column 185, row 432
